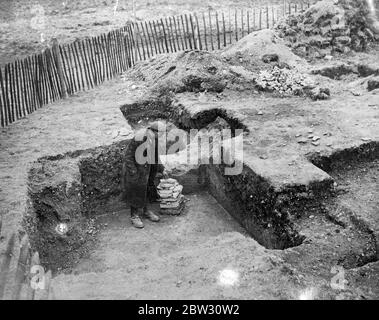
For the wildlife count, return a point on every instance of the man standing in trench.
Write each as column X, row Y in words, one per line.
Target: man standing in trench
column 138, row 176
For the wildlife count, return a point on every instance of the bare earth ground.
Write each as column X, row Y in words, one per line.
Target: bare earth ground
column 23, row 21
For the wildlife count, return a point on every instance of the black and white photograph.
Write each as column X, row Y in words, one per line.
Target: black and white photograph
column 204, row 152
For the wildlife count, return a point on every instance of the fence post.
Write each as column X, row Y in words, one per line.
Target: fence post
column 58, row 63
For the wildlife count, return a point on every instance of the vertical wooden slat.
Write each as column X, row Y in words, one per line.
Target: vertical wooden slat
column 25, row 90
column 230, row 28
column 4, row 106
column 145, row 43
column 267, row 18
column 59, row 68
column 260, row 18
column 198, row 32
column 205, row 32
column 248, row 21
column 75, row 70
column 210, row 28
column 66, row 71
column 12, row 92
column 54, row 89
column 78, row 65
column 242, row 25
column 155, row 39
column 165, row 37
column 37, row 77
column 177, row 34
column 172, row 36
column 18, row 89
column 86, row 67
column 193, row 32
column 94, row 61
column 188, row 33
column 150, row 42
column 184, row 34
column 218, row 32
column 235, row 24
column 158, row 39
column 30, row 73
column 223, row 29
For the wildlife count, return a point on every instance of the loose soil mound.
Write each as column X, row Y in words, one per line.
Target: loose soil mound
column 194, row 71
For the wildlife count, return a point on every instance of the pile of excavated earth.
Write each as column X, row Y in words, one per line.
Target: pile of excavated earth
column 299, row 221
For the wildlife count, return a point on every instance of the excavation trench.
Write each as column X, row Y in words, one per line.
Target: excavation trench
column 75, row 189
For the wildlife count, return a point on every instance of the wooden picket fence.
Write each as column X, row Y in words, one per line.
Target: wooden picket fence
column 30, row 83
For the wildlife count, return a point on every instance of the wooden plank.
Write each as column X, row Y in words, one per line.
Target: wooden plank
column 224, row 29
column 54, row 89
column 59, row 67
column 260, row 19
column 205, row 32
column 248, row 21
column 3, row 106
column 172, row 35
column 210, row 28
column 24, row 88
column 6, row 261
column 193, row 32
column 12, row 92
column 21, row 81
column 4, row 90
column 165, row 36
column 18, row 90
column 218, row 32
column 200, row 46
column 242, row 25
column 80, row 72
column 30, row 73
column 155, row 40
column 179, row 39
column 37, row 77
column 168, row 34
column 145, row 42
column 94, row 55
column 66, row 71
column 130, row 48
column 7, row 73
column 75, row 67
column 85, row 65
column 184, row 34
column 230, row 28
column 267, row 18
column 188, row 33
column 149, row 39
column 111, row 55
column 236, row 24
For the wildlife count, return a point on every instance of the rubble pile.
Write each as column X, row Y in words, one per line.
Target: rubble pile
column 329, row 27
column 171, row 198
column 290, row 82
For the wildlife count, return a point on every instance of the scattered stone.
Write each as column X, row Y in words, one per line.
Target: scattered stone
column 316, row 138
column 302, row 141
column 267, row 58
column 366, row 139
column 319, row 94
column 316, row 144
column 260, row 113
